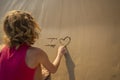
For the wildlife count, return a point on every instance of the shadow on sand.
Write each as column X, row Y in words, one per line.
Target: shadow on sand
column 70, row 65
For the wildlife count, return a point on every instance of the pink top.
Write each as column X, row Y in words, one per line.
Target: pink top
column 12, row 64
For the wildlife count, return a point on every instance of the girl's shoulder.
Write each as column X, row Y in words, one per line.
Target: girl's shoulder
column 35, row 52
column 34, row 56
column 2, row 46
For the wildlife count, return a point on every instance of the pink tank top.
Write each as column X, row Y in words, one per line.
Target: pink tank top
column 12, row 64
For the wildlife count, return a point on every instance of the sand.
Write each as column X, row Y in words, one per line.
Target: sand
column 92, row 25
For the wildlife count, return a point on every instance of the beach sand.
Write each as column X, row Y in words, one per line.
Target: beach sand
column 92, row 25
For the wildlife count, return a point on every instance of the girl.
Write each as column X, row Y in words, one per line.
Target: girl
column 18, row 59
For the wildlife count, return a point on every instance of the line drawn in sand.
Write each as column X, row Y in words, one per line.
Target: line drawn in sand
column 63, row 41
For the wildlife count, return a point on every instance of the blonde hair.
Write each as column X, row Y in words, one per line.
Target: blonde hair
column 20, row 27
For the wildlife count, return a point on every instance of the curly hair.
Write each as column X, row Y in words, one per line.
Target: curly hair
column 20, row 27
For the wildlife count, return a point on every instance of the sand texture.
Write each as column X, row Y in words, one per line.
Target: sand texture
column 90, row 28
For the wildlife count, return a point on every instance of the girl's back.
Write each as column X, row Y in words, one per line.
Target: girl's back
column 13, row 64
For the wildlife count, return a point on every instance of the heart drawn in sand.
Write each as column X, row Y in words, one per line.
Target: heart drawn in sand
column 65, row 41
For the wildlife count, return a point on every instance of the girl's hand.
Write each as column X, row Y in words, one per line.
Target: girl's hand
column 62, row 50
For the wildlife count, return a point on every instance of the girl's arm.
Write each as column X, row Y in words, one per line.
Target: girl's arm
column 51, row 67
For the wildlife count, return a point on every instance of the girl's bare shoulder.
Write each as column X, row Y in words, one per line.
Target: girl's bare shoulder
column 34, row 56
column 35, row 51
column 1, row 46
